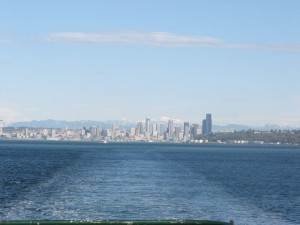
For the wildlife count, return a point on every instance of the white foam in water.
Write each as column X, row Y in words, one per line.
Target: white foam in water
column 214, row 204
column 116, row 189
column 241, row 213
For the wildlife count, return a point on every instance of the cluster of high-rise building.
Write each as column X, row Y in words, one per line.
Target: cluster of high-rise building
column 173, row 131
column 147, row 130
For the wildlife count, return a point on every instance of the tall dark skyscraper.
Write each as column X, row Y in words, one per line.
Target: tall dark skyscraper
column 207, row 125
column 204, row 127
column 139, row 128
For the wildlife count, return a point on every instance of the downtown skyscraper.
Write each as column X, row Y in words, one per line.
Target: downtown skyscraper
column 186, row 131
column 170, row 129
column 147, row 125
column 207, row 125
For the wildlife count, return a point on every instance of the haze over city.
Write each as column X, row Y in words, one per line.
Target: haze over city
column 105, row 60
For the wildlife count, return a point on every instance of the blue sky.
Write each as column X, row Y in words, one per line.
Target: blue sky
column 101, row 60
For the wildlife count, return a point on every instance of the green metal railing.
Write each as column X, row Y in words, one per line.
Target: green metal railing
column 114, row 222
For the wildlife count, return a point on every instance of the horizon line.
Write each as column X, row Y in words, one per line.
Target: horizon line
column 157, row 120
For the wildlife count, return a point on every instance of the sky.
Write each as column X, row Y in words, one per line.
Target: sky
column 131, row 59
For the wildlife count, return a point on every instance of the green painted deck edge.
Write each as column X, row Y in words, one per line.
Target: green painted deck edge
column 113, row 222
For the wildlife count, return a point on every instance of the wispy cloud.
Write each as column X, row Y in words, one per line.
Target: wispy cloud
column 160, row 39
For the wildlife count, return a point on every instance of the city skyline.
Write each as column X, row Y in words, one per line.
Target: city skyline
column 153, row 131
column 106, row 60
column 149, row 131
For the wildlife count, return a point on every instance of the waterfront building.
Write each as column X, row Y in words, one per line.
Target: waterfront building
column 195, row 130
column 199, row 131
column 45, row 132
column 170, row 129
column 114, row 127
column 88, row 136
column 93, row 131
column 82, row 131
column 104, row 132
column 85, row 131
column 154, row 134
column 154, row 129
column 108, row 133
column 53, row 132
column 139, row 128
column 147, row 125
column 177, row 133
column 147, row 135
column 116, row 133
column 160, row 129
column 98, row 132
column 186, row 131
column 132, row 131
column 181, row 135
column 166, row 134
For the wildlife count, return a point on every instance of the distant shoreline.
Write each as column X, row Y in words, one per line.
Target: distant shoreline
column 151, row 143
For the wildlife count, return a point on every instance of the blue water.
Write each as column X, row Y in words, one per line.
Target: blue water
column 62, row 180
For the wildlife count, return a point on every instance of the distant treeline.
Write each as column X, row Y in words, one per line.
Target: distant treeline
column 253, row 136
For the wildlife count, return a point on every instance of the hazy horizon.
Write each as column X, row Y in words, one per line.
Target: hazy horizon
column 163, row 120
column 106, row 60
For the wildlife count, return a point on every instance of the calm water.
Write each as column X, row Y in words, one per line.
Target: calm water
column 53, row 180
